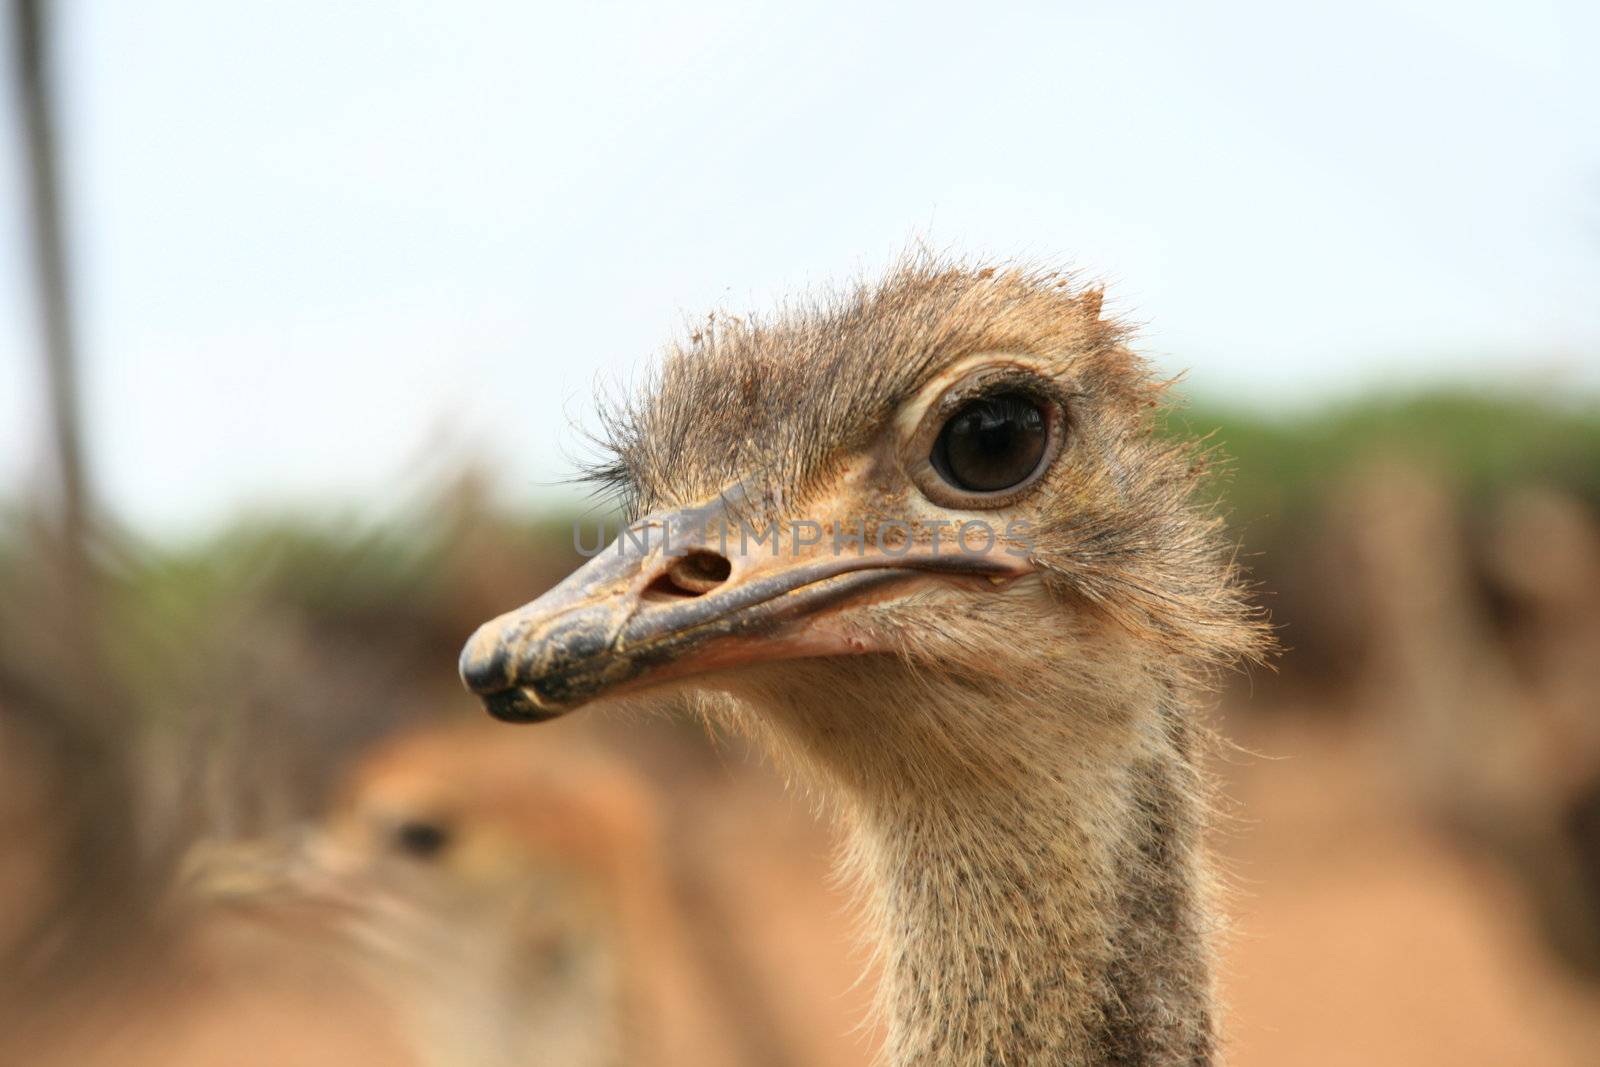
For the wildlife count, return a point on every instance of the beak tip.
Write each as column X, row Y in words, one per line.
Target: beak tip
column 486, row 670
column 483, row 663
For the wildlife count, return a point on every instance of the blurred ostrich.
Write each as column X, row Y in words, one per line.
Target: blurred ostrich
column 1003, row 719
column 551, row 857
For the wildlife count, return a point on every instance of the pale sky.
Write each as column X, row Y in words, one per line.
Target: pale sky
column 321, row 245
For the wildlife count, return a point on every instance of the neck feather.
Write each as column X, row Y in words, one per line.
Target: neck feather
column 1034, row 873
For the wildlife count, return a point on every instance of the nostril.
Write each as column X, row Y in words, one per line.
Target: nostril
column 692, row 575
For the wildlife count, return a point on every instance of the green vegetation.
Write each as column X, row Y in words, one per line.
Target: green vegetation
column 1281, row 467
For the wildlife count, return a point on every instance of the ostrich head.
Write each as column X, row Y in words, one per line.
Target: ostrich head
column 949, row 477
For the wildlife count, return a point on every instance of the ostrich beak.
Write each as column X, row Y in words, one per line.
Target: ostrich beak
column 686, row 593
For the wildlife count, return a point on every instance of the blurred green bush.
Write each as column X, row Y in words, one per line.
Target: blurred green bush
column 1481, row 442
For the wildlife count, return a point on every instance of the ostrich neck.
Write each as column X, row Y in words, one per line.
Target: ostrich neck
column 1046, row 906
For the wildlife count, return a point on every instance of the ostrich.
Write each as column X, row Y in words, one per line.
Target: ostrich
column 552, row 858
column 923, row 539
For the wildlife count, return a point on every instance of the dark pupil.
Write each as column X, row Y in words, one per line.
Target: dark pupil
column 991, row 443
column 421, row 839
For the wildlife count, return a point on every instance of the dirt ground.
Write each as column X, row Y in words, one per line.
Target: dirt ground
column 1361, row 938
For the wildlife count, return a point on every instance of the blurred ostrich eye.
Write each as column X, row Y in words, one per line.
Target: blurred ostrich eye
column 992, row 443
column 423, row 840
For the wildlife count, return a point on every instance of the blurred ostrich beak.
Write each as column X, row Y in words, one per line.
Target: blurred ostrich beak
column 689, row 592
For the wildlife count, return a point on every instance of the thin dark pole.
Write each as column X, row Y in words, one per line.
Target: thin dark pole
column 32, row 63
column 83, row 722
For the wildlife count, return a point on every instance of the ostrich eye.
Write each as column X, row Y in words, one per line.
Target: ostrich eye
column 992, row 443
column 423, row 840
